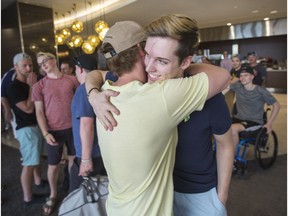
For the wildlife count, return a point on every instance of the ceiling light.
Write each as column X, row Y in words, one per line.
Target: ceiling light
column 60, row 38
column 88, row 48
column 66, row 32
column 77, row 40
column 266, row 18
column 77, row 26
column 70, row 44
column 255, row 11
column 94, row 40
column 100, row 26
column 109, row 5
column 229, row 24
column 103, row 33
column 273, row 12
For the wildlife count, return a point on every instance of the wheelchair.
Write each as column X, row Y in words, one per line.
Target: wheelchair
column 265, row 147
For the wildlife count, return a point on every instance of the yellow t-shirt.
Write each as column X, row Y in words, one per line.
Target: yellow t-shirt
column 139, row 153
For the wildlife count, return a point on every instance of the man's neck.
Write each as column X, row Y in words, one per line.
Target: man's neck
column 125, row 78
column 55, row 74
column 238, row 68
column 136, row 74
column 21, row 78
column 81, row 80
column 249, row 86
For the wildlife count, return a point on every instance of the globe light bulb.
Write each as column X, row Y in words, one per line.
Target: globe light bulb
column 60, row 39
column 66, row 32
column 70, row 44
column 103, row 33
column 87, row 47
column 77, row 26
column 77, row 40
column 100, row 25
column 94, row 40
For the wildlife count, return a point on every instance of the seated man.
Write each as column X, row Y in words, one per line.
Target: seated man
column 250, row 101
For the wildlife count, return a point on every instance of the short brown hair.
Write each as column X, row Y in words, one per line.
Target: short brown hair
column 124, row 61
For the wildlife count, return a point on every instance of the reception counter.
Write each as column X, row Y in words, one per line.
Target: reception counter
column 276, row 83
column 276, row 79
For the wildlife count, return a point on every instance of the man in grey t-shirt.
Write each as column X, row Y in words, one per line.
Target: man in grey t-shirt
column 250, row 101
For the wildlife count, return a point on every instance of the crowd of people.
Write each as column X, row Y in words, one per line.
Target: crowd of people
column 147, row 123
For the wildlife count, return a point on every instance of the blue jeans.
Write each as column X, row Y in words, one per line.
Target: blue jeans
column 198, row 204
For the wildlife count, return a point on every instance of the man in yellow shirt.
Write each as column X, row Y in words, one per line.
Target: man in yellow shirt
column 139, row 153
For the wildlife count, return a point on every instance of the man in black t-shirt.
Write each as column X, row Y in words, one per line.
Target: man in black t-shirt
column 260, row 72
column 27, row 131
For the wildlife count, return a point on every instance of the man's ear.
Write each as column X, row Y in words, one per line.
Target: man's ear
column 141, row 51
column 186, row 62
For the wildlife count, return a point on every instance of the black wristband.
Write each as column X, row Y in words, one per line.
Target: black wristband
column 92, row 90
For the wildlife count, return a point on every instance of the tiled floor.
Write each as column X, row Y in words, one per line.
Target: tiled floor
column 259, row 193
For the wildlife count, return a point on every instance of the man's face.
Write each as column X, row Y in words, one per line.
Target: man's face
column 236, row 62
column 246, row 78
column 65, row 69
column 24, row 67
column 77, row 72
column 160, row 59
column 252, row 59
column 46, row 63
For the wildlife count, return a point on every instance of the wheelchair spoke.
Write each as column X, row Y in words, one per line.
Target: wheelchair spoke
column 266, row 148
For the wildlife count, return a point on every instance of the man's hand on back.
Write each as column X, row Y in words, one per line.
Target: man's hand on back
column 103, row 108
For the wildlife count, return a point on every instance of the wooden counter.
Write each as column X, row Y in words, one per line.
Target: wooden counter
column 276, row 79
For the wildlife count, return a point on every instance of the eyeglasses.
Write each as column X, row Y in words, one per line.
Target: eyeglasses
column 44, row 61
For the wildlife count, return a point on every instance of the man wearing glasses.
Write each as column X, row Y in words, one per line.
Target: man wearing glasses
column 53, row 96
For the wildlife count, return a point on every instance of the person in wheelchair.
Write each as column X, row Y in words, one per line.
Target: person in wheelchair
column 250, row 102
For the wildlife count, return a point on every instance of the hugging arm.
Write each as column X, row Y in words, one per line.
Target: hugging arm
column 218, row 77
column 100, row 101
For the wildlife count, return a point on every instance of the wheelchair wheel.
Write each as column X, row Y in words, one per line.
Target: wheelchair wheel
column 266, row 148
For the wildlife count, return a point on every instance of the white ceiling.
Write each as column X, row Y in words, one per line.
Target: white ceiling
column 208, row 13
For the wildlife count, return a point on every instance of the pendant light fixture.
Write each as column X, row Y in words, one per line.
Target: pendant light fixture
column 77, row 26
column 90, row 44
column 101, row 27
column 59, row 37
column 65, row 31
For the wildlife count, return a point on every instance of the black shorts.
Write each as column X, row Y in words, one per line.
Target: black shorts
column 245, row 123
column 55, row 152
